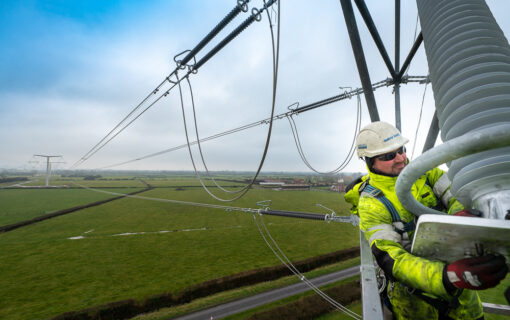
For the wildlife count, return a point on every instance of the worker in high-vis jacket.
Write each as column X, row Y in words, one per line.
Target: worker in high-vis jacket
column 417, row 288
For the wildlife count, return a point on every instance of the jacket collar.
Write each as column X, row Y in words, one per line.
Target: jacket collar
column 382, row 181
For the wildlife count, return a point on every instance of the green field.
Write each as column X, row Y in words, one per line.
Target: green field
column 495, row 295
column 192, row 182
column 44, row 273
column 244, row 292
column 136, row 248
column 17, row 205
column 123, row 182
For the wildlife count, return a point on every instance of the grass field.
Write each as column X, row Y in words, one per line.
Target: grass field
column 191, row 182
column 43, row 273
column 231, row 295
column 495, row 295
column 134, row 248
column 22, row 204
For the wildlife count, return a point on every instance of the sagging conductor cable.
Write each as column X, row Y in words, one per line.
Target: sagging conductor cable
column 200, row 146
column 198, row 136
column 241, row 6
column 347, row 159
column 275, row 51
column 308, row 107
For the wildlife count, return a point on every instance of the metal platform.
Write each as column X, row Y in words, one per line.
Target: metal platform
column 449, row 238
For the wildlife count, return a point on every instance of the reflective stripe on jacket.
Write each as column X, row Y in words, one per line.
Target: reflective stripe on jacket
column 406, row 271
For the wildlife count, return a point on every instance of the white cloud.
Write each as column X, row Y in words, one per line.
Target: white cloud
column 105, row 70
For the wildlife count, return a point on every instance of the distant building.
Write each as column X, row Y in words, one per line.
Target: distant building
column 338, row 187
column 281, row 185
column 296, row 186
column 271, row 183
column 299, row 181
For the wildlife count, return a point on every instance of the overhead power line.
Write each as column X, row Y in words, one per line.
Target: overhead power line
column 347, row 159
column 275, row 54
column 305, row 108
column 181, row 64
column 241, row 6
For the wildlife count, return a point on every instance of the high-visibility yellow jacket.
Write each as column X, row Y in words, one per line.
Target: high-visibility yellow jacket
column 390, row 245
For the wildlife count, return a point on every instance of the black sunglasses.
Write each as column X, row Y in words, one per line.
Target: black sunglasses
column 391, row 155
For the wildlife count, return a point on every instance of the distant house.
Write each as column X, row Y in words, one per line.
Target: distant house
column 338, row 187
column 296, row 186
column 271, row 183
column 281, row 185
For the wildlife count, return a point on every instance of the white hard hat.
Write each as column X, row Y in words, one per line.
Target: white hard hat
column 378, row 138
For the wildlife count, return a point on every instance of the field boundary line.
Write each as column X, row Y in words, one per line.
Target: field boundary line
column 62, row 212
column 129, row 308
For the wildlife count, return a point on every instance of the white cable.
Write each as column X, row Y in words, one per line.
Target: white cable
column 419, row 119
column 296, row 272
column 276, row 53
column 188, row 203
column 414, row 40
column 200, row 146
column 347, row 159
column 288, row 264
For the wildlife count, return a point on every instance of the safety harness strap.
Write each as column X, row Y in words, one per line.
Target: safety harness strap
column 443, row 307
column 379, row 195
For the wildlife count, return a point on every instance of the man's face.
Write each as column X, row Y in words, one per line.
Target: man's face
column 391, row 167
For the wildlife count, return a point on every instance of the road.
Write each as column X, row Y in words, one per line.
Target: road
column 237, row 306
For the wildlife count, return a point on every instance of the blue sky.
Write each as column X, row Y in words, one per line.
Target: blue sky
column 45, row 41
column 71, row 70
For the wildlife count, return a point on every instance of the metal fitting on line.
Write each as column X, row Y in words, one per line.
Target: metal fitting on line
column 179, row 63
column 256, row 13
column 243, row 5
column 296, row 104
column 265, row 204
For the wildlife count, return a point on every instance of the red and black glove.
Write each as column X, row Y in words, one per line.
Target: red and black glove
column 476, row 273
column 469, row 213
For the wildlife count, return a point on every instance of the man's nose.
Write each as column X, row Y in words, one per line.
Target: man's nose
column 400, row 157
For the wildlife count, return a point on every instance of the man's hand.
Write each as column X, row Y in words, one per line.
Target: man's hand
column 476, row 273
column 469, row 213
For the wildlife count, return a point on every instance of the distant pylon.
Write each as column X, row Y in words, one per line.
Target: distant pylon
column 48, row 166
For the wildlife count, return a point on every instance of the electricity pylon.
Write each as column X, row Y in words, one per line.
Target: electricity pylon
column 48, row 166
